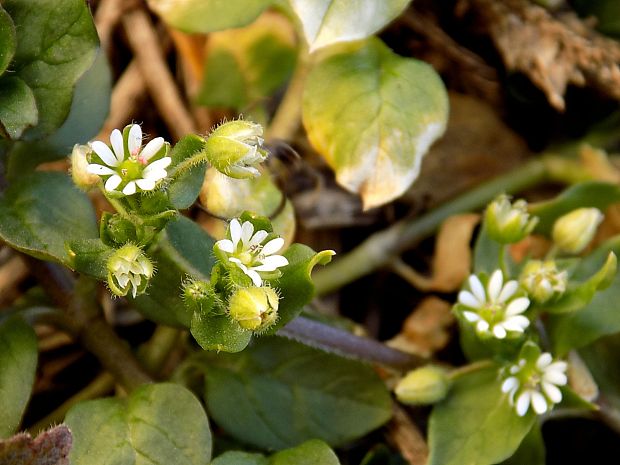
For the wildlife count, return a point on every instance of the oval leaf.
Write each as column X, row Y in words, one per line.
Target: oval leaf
column 7, row 40
column 279, row 393
column 159, row 424
column 373, row 115
column 18, row 108
column 18, row 363
column 327, row 22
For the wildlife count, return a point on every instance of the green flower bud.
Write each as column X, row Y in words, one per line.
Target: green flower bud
column 129, row 270
column 543, row 281
column 79, row 168
column 423, row 386
column 199, row 296
column 507, row 222
column 574, row 231
column 234, row 148
column 254, row 308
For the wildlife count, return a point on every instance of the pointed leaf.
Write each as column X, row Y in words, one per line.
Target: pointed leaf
column 18, row 108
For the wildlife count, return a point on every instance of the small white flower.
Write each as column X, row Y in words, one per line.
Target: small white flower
column 129, row 169
column 535, row 384
column 494, row 311
column 246, row 250
column 129, row 270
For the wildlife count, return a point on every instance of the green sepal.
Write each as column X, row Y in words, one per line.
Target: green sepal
column 114, row 229
column 185, row 186
column 89, row 256
column 218, row 332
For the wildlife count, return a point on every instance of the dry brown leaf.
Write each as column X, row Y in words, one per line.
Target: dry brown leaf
column 426, row 329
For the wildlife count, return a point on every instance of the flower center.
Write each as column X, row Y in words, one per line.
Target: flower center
column 492, row 313
column 247, row 258
column 131, row 169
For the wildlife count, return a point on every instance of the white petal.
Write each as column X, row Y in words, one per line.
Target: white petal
column 517, row 306
column 509, row 384
column 469, row 300
column 499, row 332
column 112, row 182
column 516, row 323
column 271, row 263
column 146, row 184
column 104, row 152
column 558, row 366
column 122, row 279
column 508, row 291
column 553, row 393
column 539, row 403
column 258, row 237
column 247, row 229
column 256, row 279
column 495, row 285
column 523, row 402
column 99, row 169
column 130, row 188
column 152, row 148
column 235, row 231
column 225, row 246
column 135, row 139
column 482, row 326
column 544, row 361
column 273, row 246
column 160, row 164
column 154, row 175
column 116, row 139
column 471, row 316
column 555, row 377
column 476, row 287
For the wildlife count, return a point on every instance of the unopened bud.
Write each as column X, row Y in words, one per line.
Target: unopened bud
column 423, row 386
column 79, row 163
column 574, row 231
column 129, row 270
column 199, row 296
column 543, row 281
column 254, row 308
column 235, row 149
column 508, row 222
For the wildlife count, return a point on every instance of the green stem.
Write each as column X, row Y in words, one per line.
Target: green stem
column 118, row 206
column 380, row 248
column 502, row 260
column 470, row 368
column 155, row 352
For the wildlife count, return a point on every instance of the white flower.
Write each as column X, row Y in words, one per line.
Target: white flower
column 129, row 270
column 246, row 250
column 535, row 384
column 494, row 311
column 128, row 164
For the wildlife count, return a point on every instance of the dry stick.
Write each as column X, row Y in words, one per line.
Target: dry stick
column 144, row 43
column 107, row 17
column 407, row 437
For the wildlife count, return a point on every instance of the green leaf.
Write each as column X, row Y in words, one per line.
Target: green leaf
column 56, row 44
column 256, row 60
column 42, row 211
column 487, row 253
column 89, row 108
column 219, row 332
column 278, row 393
column 531, row 451
column 476, row 425
column 327, row 22
column 586, row 194
column 18, row 109
column 50, row 447
column 159, row 424
column 312, row 452
column 18, row 364
column 373, row 115
column 183, row 250
column 7, row 40
column 599, row 317
column 208, row 15
column 184, row 189
column 240, row 458
column 90, row 256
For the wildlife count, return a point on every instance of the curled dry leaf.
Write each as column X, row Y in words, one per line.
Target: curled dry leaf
column 50, row 447
column 426, row 329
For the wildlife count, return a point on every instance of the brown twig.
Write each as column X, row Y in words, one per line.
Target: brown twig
column 407, row 437
column 107, row 17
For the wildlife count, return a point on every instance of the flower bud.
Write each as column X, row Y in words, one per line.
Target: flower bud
column 79, row 164
column 199, row 296
column 574, row 231
column 543, row 281
column 423, row 386
column 254, row 308
column 234, row 148
column 129, row 270
column 508, row 223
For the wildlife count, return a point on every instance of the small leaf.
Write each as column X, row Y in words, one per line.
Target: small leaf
column 219, row 332
column 476, row 424
column 159, row 424
column 42, row 211
column 184, row 189
column 18, row 363
column 374, row 125
column 278, row 393
column 18, row 108
column 56, row 44
column 311, row 452
column 208, row 15
column 50, row 447
column 7, row 40
column 531, row 451
column 240, row 458
column 327, row 22
column 90, row 256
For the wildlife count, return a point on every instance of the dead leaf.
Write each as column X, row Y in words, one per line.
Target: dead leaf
column 50, row 447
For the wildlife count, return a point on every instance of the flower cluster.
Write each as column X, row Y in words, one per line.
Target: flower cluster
column 497, row 310
column 127, row 165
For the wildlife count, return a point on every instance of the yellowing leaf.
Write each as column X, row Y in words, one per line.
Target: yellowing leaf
column 373, row 115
